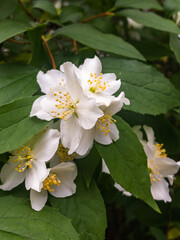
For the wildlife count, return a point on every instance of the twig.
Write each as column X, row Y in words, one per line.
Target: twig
column 49, row 52
column 98, row 15
column 17, row 42
column 27, row 11
column 75, row 47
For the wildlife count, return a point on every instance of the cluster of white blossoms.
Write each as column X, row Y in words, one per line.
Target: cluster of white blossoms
column 82, row 103
column 159, row 166
column 29, row 163
column 82, row 99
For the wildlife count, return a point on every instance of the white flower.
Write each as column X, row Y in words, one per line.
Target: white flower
column 105, row 130
column 59, row 183
column 28, row 162
column 159, row 166
column 95, row 84
column 134, row 24
column 176, row 17
column 65, row 100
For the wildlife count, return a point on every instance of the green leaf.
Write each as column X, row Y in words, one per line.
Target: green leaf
column 11, row 27
column 175, row 80
column 16, row 127
column 172, row 5
column 45, row 6
column 175, row 45
column 152, row 20
column 144, row 4
column 88, row 165
column 127, row 163
column 21, row 222
column 159, row 50
column 7, row 7
column 17, row 81
column 158, row 233
column 148, row 90
column 93, row 38
column 71, row 14
column 9, row 236
column 39, row 57
column 86, row 210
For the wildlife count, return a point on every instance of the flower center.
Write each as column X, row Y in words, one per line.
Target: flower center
column 160, row 152
column 51, row 180
column 63, row 153
column 23, row 157
column 104, row 122
column 154, row 173
column 64, row 107
column 96, row 84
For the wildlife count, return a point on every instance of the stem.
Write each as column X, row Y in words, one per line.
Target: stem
column 27, row 11
column 49, row 52
column 98, row 15
column 75, row 47
column 17, row 42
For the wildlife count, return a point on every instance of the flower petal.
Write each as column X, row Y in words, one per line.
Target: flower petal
column 66, row 172
column 117, row 186
column 36, row 175
column 100, row 137
column 114, row 132
column 92, row 65
column 101, row 98
column 88, row 112
column 10, row 177
column 137, row 131
column 86, row 142
column 116, row 104
column 71, row 133
column 38, row 199
column 55, row 160
column 72, row 81
column 160, row 190
column 150, row 134
column 149, row 150
column 112, row 85
column 45, row 144
column 104, row 167
column 49, row 80
column 167, row 166
column 39, row 110
column 171, row 179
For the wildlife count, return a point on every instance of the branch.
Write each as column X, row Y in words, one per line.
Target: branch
column 27, row 11
column 17, row 42
column 49, row 52
column 75, row 47
column 98, row 15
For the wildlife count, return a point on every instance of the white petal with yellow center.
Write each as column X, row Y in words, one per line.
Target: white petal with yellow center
column 28, row 161
column 59, row 183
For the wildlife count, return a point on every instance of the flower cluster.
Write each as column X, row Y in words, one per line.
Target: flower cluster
column 83, row 102
column 82, row 98
column 159, row 166
column 28, row 163
column 82, row 105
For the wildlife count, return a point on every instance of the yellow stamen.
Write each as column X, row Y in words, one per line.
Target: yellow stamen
column 51, row 180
